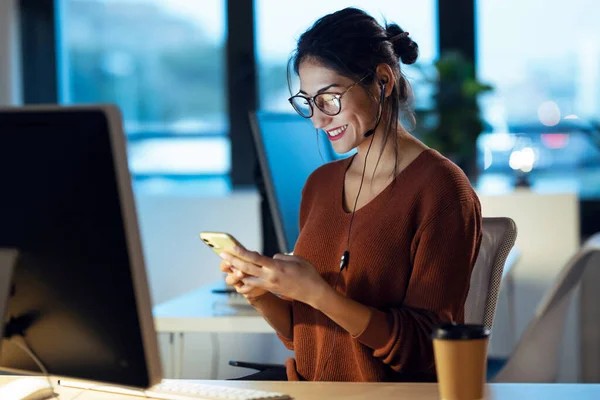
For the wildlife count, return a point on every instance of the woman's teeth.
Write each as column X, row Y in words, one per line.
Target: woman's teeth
column 337, row 131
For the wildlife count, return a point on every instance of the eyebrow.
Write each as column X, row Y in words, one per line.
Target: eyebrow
column 322, row 89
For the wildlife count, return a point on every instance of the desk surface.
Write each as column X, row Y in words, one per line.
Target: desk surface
column 380, row 391
column 203, row 311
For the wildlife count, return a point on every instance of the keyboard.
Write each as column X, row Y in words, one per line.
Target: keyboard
column 193, row 390
column 174, row 389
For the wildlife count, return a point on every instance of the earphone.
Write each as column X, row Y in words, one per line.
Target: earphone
column 345, row 259
column 382, row 83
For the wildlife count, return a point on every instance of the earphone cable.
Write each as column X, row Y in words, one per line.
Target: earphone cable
column 379, row 112
column 358, row 194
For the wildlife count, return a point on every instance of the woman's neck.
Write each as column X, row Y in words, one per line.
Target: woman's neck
column 386, row 165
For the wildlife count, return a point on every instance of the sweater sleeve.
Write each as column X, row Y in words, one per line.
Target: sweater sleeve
column 263, row 303
column 288, row 342
column 444, row 253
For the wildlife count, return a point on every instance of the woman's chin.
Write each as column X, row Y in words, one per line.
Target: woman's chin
column 342, row 149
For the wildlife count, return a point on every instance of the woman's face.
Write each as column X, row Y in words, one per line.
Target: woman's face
column 358, row 109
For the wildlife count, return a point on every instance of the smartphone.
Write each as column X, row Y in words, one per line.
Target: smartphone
column 220, row 242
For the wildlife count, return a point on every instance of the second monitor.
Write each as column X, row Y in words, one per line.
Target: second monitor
column 288, row 149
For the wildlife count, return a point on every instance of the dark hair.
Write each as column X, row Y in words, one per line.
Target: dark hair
column 353, row 43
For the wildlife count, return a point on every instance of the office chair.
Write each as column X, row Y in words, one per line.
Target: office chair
column 535, row 358
column 498, row 238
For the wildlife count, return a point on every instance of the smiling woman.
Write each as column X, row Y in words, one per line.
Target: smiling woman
column 374, row 270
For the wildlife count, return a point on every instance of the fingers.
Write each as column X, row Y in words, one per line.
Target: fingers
column 243, row 266
column 244, row 289
column 252, row 257
column 247, row 285
column 225, row 266
column 232, row 280
column 234, row 276
column 254, row 282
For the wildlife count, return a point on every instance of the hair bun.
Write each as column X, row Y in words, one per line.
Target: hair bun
column 404, row 46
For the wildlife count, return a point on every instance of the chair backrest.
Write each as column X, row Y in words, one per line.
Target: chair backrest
column 498, row 238
column 535, row 357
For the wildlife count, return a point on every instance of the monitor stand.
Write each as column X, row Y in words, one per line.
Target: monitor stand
column 34, row 388
column 8, row 261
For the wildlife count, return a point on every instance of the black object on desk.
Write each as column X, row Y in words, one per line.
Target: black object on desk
column 223, row 291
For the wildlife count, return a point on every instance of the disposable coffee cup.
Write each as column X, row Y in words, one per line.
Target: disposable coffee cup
column 460, row 353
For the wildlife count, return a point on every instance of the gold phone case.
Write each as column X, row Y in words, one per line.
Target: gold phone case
column 220, row 241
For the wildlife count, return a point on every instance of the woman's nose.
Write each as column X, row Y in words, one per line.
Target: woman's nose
column 319, row 119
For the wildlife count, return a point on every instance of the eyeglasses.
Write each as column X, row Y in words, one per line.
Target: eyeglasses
column 329, row 103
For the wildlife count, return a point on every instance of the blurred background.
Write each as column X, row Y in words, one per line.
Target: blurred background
column 508, row 89
column 165, row 64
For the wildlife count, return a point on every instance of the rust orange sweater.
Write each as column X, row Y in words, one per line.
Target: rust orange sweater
column 412, row 249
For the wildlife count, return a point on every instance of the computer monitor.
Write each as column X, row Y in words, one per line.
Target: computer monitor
column 288, row 149
column 79, row 296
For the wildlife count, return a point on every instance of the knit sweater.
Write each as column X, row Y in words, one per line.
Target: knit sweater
column 412, row 250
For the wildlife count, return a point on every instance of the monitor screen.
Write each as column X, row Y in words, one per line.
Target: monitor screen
column 288, row 149
column 79, row 297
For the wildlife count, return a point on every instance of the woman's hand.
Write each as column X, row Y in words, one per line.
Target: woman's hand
column 286, row 275
column 234, row 278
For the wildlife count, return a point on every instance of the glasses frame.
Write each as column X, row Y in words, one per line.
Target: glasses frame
column 311, row 100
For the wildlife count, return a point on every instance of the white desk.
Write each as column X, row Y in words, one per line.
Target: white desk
column 381, row 391
column 203, row 311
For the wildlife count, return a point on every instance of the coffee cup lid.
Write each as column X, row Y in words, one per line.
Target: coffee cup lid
column 453, row 331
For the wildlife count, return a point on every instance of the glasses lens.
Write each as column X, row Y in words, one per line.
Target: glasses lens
column 328, row 103
column 301, row 105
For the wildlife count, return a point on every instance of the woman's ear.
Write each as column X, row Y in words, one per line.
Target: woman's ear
column 385, row 76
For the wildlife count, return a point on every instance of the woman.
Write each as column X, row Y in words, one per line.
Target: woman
column 387, row 243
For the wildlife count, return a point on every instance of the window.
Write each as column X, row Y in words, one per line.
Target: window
column 550, row 52
column 543, row 59
column 277, row 33
column 163, row 63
